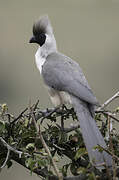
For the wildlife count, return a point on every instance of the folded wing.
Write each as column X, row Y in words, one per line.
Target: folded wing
column 63, row 74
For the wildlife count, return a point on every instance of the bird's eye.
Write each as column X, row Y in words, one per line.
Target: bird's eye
column 42, row 35
column 42, row 39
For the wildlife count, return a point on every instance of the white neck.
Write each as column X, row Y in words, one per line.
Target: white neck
column 44, row 51
column 49, row 46
column 39, row 59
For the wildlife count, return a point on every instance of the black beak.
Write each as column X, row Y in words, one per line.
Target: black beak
column 32, row 40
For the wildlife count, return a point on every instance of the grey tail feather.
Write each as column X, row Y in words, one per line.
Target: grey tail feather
column 91, row 135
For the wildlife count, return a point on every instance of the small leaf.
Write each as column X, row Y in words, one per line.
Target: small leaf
column 81, row 170
column 73, row 169
column 64, row 169
column 117, row 110
column 91, row 176
column 45, row 154
column 80, row 152
column 99, row 148
column 30, row 163
column 4, row 108
column 30, row 146
column 9, row 164
column 2, row 126
column 56, row 159
column 42, row 162
column 26, row 122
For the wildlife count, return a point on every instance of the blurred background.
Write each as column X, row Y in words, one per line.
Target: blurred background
column 87, row 31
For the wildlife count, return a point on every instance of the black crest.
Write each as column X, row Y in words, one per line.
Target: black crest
column 42, row 26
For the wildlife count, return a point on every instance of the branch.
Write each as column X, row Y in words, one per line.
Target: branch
column 108, row 114
column 42, row 172
column 31, row 115
column 69, row 129
column 108, row 101
column 109, row 152
column 46, row 147
column 19, row 116
column 5, row 162
column 11, row 148
column 16, row 156
column 49, row 154
column 99, row 110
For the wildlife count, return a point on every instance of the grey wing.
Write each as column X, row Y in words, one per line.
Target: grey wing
column 64, row 74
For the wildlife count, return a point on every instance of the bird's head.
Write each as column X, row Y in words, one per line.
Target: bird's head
column 43, row 33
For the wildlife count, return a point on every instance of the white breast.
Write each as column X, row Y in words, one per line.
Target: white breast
column 39, row 60
column 59, row 98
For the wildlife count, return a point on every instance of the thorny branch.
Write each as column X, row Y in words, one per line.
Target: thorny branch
column 109, row 152
column 48, row 112
column 101, row 108
column 45, row 146
column 7, row 157
column 36, row 114
column 10, row 148
column 108, row 101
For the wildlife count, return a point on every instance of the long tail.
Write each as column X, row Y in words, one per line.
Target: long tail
column 91, row 135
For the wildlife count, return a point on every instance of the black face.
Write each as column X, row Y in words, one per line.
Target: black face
column 38, row 38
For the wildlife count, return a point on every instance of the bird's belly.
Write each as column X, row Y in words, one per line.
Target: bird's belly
column 59, row 98
column 65, row 97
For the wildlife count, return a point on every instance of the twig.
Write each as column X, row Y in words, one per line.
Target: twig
column 108, row 101
column 46, row 147
column 35, row 106
column 108, row 114
column 48, row 114
column 9, row 148
column 49, row 154
column 112, row 149
column 6, row 159
column 69, row 129
column 12, row 149
column 99, row 110
column 62, row 123
column 20, row 115
column 44, row 113
column 106, row 150
column 109, row 130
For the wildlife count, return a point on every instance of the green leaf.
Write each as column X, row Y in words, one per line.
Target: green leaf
column 80, row 152
column 117, row 110
column 30, row 163
column 98, row 116
column 99, row 148
column 73, row 169
column 92, row 176
column 4, row 108
column 56, row 159
column 9, row 164
column 42, row 162
column 81, row 170
column 65, row 169
column 2, row 126
column 26, row 122
column 30, row 146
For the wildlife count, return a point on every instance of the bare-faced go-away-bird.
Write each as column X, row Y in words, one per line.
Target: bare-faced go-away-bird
column 66, row 83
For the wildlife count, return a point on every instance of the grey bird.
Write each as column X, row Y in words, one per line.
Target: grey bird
column 66, row 83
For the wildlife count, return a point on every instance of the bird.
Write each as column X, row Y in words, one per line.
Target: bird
column 66, row 84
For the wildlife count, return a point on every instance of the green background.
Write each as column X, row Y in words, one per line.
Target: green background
column 85, row 30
